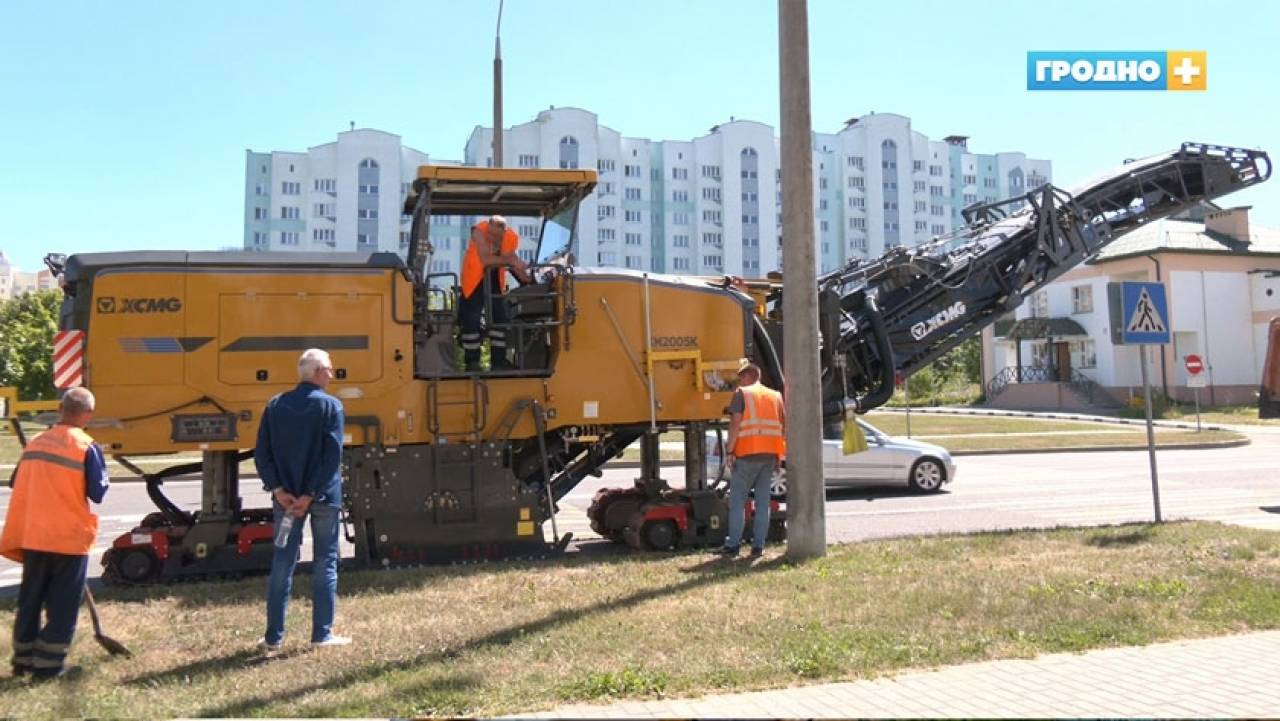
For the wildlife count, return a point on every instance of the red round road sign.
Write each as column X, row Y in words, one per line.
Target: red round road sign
column 1194, row 364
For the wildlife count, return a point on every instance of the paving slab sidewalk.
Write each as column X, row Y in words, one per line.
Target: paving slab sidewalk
column 1227, row 676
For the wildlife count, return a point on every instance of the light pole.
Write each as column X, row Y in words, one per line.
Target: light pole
column 806, row 516
column 497, row 91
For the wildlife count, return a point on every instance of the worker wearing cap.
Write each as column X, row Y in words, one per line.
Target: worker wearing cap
column 491, row 251
column 50, row 530
column 756, row 446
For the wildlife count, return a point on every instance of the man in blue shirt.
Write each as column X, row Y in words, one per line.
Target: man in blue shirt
column 299, row 458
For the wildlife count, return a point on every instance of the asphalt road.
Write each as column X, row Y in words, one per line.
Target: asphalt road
column 1233, row 485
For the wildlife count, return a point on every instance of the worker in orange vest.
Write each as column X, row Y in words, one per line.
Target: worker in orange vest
column 756, row 447
column 50, row 530
column 491, row 251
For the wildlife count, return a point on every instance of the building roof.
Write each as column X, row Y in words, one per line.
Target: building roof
column 1176, row 235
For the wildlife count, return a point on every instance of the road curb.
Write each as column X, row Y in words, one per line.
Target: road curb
column 1208, row 445
column 1055, row 415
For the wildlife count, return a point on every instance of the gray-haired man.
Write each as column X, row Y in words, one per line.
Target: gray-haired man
column 299, row 457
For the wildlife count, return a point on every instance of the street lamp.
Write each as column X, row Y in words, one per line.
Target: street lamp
column 497, row 91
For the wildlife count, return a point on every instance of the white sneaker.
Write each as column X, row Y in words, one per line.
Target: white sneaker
column 269, row 647
column 333, row 641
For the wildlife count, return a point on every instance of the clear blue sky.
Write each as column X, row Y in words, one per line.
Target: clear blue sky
column 124, row 124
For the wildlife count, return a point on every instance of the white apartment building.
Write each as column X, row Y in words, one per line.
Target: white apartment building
column 14, row 282
column 709, row 205
column 1222, row 281
column 713, row 204
column 341, row 196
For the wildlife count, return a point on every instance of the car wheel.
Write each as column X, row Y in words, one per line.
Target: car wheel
column 926, row 476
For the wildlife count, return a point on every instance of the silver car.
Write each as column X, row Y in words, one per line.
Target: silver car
column 888, row 461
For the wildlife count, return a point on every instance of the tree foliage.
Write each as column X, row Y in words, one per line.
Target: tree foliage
column 27, row 325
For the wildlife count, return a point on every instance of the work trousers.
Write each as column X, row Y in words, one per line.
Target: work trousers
column 750, row 474
column 324, row 573
column 52, row 583
column 471, row 309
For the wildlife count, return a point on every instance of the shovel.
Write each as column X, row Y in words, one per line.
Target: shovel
column 114, row 647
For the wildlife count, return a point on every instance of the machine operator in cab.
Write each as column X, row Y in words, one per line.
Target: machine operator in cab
column 492, row 251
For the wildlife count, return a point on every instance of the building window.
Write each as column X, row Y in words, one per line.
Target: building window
column 712, row 261
column 711, row 216
column 324, row 210
column 680, row 241
column 368, row 163
column 715, row 239
column 1083, row 354
column 921, row 206
column 290, row 188
column 937, row 229
column 367, row 214
column 633, row 262
column 711, row 171
column 568, row 152
column 632, row 238
column 854, row 161
column 679, row 218
column 679, row 173
column 1015, row 180
column 527, row 161
column 605, row 211
column 631, row 193
column 607, row 257
column 632, row 216
column 917, row 166
column 631, row 171
column 969, row 179
column 605, row 234
column 935, row 210
column 605, row 166
column 935, row 171
column 679, row 196
column 1082, row 299
column 680, row 263
column 970, row 198
column 259, row 238
column 825, row 226
column 289, row 237
column 288, row 212
column 856, row 183
column 858, row 223
column 711, row 194
column 1040, row 305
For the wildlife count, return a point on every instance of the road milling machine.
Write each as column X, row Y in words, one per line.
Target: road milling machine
column 184, row 349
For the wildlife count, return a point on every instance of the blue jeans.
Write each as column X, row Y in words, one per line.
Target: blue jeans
column 748, row 475
column 324, row 573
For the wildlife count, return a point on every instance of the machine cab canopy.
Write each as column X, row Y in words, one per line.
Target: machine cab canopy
column 552, row 195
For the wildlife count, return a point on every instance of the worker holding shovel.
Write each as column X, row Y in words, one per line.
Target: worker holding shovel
column 50, row 530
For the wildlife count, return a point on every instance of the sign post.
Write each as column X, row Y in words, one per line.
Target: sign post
column 1139, row 313
column 906, row 397
column 1195, row 381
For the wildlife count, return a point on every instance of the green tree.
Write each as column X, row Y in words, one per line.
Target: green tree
column 27, row 325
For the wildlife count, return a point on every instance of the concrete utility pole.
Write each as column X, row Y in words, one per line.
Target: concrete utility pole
column 497, row 91
column 806, row 513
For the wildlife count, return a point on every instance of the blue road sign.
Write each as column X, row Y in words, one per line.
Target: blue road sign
column 1145, row 316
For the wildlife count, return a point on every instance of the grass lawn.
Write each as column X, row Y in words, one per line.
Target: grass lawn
column 1238, row 415
column 931, row 424
column 511, row 637
column 1164, row 439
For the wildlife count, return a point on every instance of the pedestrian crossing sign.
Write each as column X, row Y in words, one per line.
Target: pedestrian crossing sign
column 1143, row 313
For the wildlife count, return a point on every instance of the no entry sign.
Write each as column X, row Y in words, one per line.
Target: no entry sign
column 1194, row 364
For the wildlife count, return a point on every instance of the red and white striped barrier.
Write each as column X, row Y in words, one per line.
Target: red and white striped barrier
column 68, row 359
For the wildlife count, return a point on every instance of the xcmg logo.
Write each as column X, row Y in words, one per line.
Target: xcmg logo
column 939, row 319
column 1154, row 70
column 107, row 304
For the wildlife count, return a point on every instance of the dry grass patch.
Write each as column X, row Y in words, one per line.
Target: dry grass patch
column 511, row 637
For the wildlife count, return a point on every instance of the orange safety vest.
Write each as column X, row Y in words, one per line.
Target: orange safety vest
column 761, row 428
column 48, row 510
column 473, row 269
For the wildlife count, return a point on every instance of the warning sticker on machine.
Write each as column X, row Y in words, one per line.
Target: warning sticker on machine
column 591, row 409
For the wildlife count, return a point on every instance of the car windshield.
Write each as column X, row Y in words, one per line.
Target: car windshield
column 869, row 429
